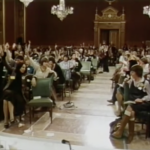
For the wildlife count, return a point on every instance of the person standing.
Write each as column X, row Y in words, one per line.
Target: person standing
column 105, row 58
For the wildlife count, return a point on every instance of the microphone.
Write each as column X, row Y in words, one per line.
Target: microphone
column 67, row 142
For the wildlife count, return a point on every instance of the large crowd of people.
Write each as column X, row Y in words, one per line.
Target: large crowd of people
column 131, row 77
column 18, row 61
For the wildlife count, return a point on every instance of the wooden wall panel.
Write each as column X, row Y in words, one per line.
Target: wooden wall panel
column 1, row 27
column 19, row 19
column 43, row 28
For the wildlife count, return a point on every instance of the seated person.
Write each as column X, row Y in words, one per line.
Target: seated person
column 42, row 71
column 54, row 66
column 66, row 65
column 30, row 69
column 145, row 65
column 75, row 74
column 122, row 64
column 117, row 80
column 120, row 89
column 139, row 94
column 61, row 58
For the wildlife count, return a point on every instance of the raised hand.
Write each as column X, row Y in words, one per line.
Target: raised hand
column 1, row 51
column 139, row 101
column 14, row 46
column 33, row 82
column 6, row 46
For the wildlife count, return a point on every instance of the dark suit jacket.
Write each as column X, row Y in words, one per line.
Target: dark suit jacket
column 60, row 74
column 78, row 68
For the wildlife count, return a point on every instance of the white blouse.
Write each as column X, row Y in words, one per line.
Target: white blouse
column 144, row 84
column 146, row 68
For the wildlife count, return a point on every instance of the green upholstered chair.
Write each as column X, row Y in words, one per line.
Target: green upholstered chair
column 86, row 69
column 95, row 63
column 41, row 96
column 69, row 81
column 62, row 87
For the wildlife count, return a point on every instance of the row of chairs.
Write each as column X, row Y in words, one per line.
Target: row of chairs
column 86, row 70
column 41, row 93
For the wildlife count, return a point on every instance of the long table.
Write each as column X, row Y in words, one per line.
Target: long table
column 17, row 142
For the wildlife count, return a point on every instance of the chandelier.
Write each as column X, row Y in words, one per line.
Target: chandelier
column 26, row 2
column 61, row 11
column 146, row 10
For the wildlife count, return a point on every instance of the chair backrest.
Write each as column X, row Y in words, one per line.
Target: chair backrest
column 94, row 62
column 86, row 65
column 67, row 73
column 43, row 87
column 121, row 79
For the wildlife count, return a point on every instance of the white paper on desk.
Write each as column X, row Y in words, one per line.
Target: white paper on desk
column 37, row 97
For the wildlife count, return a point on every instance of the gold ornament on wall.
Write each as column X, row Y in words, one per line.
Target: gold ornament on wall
column 110, row 1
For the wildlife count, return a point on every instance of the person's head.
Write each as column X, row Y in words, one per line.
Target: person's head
column 27, row 62
column 34, row 50
column 44, row 61
column 134, row 53
column 122, row 52
column 132, row 63
column 52, row 61
column 52, row 55
column 35, row 57
column 73, row 56
column 21, row 68
column 7, row 46
column 21, row 53
column 127, row 54
column 16, row 53
column 66, row 58
column 19, row 59
column 144, row 61
column 136, row 72
column 61, row 55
